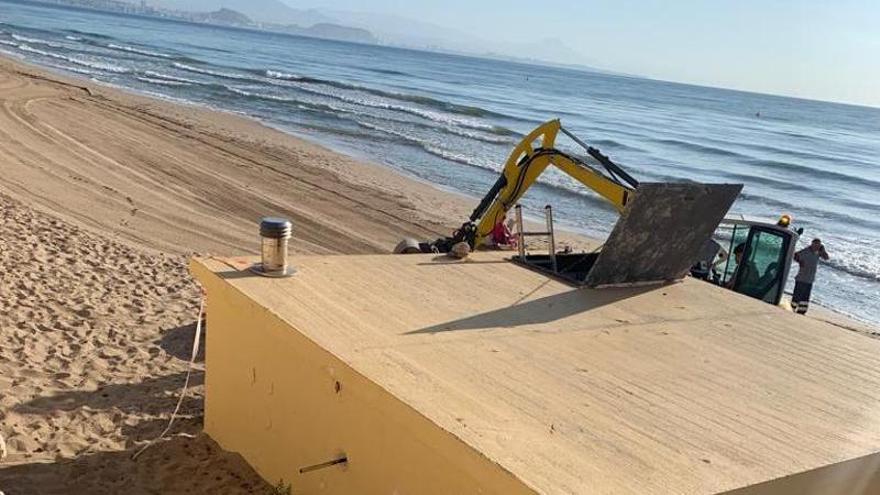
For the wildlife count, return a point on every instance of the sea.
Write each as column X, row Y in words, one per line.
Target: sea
column 452, row 120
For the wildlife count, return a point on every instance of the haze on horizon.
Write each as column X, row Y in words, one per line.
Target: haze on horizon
column 803, row 48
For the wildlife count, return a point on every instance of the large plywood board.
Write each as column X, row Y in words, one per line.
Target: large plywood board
column 660, row 233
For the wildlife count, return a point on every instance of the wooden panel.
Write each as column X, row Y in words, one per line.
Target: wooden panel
column 660, row 233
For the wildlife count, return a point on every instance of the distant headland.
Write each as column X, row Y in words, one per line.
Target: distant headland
column 223, row 17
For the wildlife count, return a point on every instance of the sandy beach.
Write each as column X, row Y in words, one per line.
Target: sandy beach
column 103, row 196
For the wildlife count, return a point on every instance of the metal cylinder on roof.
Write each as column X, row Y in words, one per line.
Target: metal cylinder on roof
column 275, row 233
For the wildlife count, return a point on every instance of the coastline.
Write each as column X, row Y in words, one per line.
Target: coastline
column 232, row 171
column 379, row 204
column 104, row 194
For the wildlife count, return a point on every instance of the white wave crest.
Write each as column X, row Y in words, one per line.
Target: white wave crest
column 139, row 51
column 38, row 41
column 198, row 70
column 73, row 38
column 263, row 96
column 430, row 147
column 167, row 77
column 78, row 61
column 274, row 74
column 857, row 257
column 368, row 101
column 162, row 82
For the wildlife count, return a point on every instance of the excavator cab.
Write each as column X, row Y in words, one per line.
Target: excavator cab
column 749, row 256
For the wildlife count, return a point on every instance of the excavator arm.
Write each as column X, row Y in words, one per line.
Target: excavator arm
column 528, row 160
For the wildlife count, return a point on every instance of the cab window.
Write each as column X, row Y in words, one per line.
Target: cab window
column 762, row 266
column 727, row 267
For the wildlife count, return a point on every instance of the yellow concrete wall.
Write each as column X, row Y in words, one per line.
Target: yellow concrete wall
column 271, row 395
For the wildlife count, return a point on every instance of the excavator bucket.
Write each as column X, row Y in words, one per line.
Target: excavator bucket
column 660, row 233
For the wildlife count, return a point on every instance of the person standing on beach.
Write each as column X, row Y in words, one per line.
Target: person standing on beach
column 808, row 261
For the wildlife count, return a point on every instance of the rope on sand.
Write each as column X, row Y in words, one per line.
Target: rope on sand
column 192, row 360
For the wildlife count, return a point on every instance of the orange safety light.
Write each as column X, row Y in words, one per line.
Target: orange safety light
column 784, row 220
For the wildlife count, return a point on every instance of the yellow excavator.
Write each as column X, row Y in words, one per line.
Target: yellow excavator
column 526, row 163
column 685, row 221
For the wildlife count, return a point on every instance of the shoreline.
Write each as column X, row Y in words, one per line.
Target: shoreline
column 433, row 209
column 238, row 144
column 442, row 208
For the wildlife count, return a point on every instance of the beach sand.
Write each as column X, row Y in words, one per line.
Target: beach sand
column 103, row 195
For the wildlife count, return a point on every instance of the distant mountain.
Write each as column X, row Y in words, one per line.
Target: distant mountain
column 413, row 33
column 330, row 31
column 273, row 11
column 223, row 16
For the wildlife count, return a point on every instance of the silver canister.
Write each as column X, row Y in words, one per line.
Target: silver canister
column 275, row 235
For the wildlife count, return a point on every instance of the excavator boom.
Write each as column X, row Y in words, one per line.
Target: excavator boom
column 528, row 160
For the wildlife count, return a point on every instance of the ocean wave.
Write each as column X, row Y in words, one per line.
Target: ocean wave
column 422, row 100
column 788, row 152
column 428, row 146
column 88, row 33
column 37, row 41
column 162, row 82
column 850, row 254
column 874, row 208
column 456, row 157
column 73, row 38
column 710, row 150
column 390, row 72
column 804, row 215
column 614, row 145
column 354, row 114
column 86, row 63
column 412, row 110
column 208, row 72
column 746, row 178
column 855, row 266
column 261, row 96
column 310, row 106
column 494, row 139
column 431, row 148
column 139, row 51
column 798, row 172
column 9, row 43
column 208, row 48
column 168, row 77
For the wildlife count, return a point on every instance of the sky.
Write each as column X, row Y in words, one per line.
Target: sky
column 826, row 50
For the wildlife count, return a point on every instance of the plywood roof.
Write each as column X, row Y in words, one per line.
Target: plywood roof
column 684, row 388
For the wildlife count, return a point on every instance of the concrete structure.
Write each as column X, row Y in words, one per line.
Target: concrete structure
column 428, row 376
